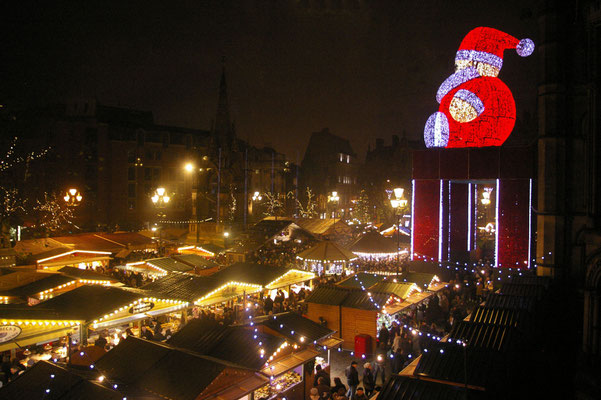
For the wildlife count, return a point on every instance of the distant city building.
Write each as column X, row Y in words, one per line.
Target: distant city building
column 117, row 158
column 330, row 165
column 388, row 167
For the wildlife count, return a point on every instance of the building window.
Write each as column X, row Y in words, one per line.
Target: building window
column 341, row 157
column 131, row 204
column 147, row 174
column 131, row 157
column 339, row 179
column 131, row 173
column 157, row 155
column 131, row 190
column 156, row 174
column 348, row 159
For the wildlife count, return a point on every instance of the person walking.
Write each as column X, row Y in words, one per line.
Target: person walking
column 321, row 373
column 368, row 379
column 352, row 379
column 360, row 395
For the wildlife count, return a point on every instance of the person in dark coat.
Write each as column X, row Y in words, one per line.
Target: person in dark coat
column 383, row 337
column 321, row 373
column 368, row 379
column 267, row 305
column 322, row 387
column 398, row 361
column 352, row 378
column 337, row 385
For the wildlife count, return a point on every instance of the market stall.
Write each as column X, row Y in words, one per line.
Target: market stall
column 374, row 246
column 327, row 258
column 353, row 311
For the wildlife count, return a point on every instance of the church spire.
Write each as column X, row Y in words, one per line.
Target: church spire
column 222, row 130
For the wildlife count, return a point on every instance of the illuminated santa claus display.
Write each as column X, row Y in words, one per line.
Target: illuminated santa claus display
column 476, row 108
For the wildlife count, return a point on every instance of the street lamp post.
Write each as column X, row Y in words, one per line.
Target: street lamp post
column 160, row 199
column 72, row 197
column 398, row 204
column 334, row 198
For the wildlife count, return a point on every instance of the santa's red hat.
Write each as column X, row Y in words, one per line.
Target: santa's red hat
column 487, row 45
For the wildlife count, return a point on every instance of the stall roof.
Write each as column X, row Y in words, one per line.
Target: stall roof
column 373, row 243
column 401, row 290
column 494, row 337
column 86, row 303
column 131, row 240
column 368, row 279
column 446, row 361
column 169, row 264
column 496, row 300
column 79, row 273
column 405, row 388
column 500, row 316
column 326, row 251
column 544, row 281
column 348, row 297
column 47, row 281
column 259, row 274
column 195, row 260
column 62, row 383
column 317, row 226
column 180, row 286
column 238, row 344
column 287, row 323
column 89, row 241
column 364, row 279
column 171, row 372
column 523, row 290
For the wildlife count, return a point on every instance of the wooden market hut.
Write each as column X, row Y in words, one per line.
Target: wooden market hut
column 373, row 245
column 174, row 373
column 349, row 311
column 278, row 348
column 327, row 257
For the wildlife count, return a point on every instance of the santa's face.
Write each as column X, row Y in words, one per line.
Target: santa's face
column 482, row 68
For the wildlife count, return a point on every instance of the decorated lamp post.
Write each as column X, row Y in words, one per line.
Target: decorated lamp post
column 334, row 199
column 72, row 197
column 160, row 199
column 398, row 203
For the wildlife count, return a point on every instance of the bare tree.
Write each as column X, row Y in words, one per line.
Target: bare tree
column 308, row 210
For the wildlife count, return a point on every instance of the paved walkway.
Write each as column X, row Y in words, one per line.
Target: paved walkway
column 341, row 360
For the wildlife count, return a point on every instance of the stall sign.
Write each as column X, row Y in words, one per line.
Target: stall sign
column 141, row 307
column 8, row 333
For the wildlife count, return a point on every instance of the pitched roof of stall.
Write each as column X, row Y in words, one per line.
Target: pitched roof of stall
column 373, row 243
column 47, row 380
column 287, row 323
column 170, row 264
column 194, row 260
column 237, row 344
column 347, row 297
column 327, row 251
column 180, row 286
column 259, row 274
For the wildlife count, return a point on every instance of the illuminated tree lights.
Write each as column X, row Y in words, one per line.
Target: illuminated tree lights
column 476, row 108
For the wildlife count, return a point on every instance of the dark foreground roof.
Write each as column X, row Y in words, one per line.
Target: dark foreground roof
column 171, row 372
column 493, row 337
column 290, row 322
column 48, row 381
column 237, row 344
column 447, row 361
column 405, row 388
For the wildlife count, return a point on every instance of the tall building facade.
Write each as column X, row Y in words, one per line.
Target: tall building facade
column 569, row 146
column 330, row 165
column 116, row 158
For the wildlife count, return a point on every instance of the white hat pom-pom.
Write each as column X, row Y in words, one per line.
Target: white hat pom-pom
column 525, row 47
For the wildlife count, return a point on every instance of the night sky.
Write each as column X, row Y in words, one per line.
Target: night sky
column 365, row 69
